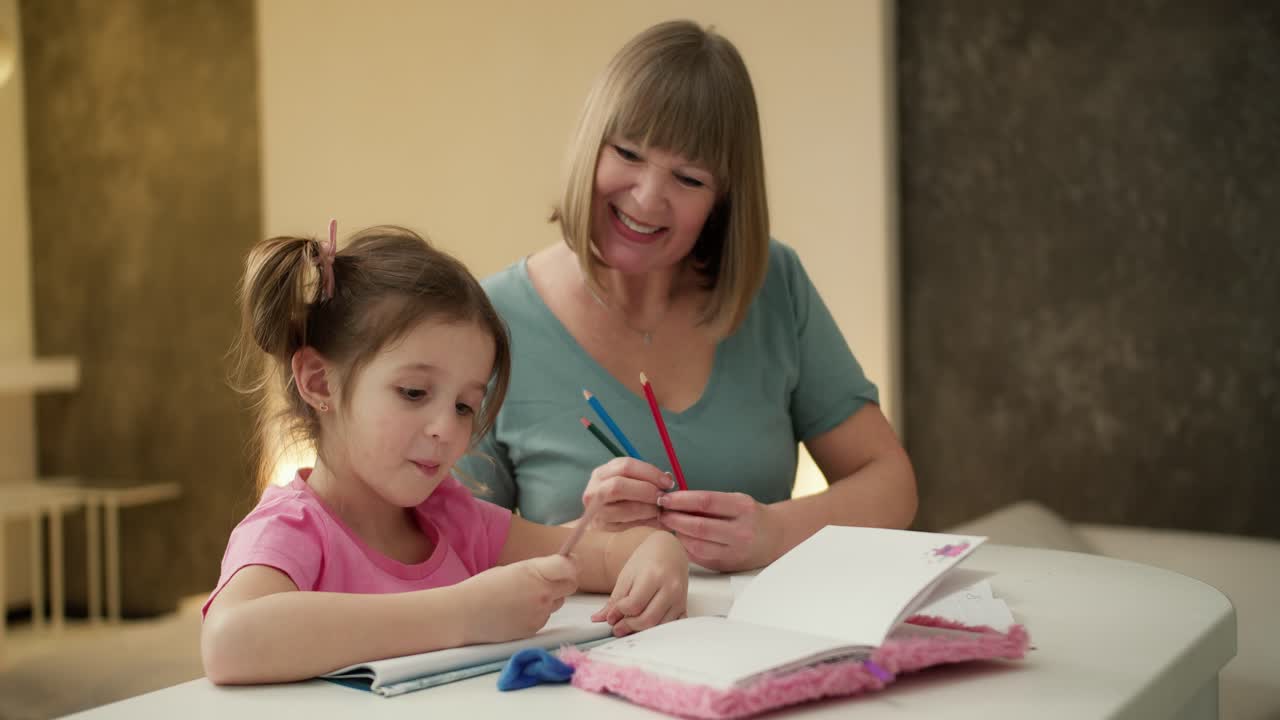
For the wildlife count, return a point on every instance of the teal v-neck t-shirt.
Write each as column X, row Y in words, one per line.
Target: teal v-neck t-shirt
column 785, row 376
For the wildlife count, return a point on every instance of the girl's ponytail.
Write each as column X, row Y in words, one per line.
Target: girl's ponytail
column 280, row 284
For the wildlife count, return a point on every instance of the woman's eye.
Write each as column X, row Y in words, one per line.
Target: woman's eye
column 464, row 410
column 412, row 393
column 626, row 154
column 689, row 181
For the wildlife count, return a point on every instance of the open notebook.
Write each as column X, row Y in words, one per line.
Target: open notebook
column 837, row 595
column 570, row 625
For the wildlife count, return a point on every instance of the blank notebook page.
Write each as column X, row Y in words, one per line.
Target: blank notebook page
column 714, row 651
column 850, row 583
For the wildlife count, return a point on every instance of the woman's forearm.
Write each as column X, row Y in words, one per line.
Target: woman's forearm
column 882, row 493
column 296, row 635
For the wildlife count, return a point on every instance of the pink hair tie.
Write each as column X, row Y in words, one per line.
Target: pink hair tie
column 325, row 258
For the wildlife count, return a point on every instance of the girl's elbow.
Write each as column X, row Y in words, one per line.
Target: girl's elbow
column 218, row 654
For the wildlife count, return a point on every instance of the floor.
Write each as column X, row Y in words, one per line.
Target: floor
column 46, row 674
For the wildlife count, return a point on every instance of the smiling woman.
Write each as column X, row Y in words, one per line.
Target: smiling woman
column 667, row 270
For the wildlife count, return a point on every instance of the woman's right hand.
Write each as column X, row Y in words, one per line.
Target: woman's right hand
column 511, row 602
column 626, row 492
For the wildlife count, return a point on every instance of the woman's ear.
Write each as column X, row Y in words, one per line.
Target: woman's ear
column 311, row 376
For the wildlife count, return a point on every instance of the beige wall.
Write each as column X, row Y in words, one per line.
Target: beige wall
column 17, row 429
column 451, row 118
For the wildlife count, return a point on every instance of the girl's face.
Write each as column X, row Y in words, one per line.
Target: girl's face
column 413, row 409
column 648, row 207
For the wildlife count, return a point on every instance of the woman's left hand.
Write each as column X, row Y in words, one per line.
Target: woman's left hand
column 652, row 588
column 722, row 531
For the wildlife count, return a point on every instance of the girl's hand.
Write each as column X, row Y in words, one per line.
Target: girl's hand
column 510, row 602
column 652, row 588
column 627, row 491
column 722, row 531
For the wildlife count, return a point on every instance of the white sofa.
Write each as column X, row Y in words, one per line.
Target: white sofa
column 1246, row 570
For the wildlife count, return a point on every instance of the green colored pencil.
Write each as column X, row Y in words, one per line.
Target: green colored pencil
column 605, row 441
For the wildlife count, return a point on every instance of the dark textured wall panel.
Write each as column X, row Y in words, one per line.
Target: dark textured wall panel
column 1091, row 258
column 143, row 153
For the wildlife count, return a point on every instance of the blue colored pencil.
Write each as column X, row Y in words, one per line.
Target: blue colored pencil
column 613, row 426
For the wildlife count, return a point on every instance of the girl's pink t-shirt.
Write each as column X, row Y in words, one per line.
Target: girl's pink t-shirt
column 292, row 531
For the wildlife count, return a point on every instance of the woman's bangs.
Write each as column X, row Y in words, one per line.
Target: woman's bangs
column 677, row 113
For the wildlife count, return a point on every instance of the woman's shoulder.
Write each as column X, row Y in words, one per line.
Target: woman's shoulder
column 513, row 295
column 782, row 257
column 506, row 284
column 785, row 274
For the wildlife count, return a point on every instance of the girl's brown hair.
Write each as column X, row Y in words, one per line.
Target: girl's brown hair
column 387, row 280
column 686, row 90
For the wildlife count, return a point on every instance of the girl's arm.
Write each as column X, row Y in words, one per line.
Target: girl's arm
column 645, row 571
column 599, row 556
column 871, row 483
column 260, row 628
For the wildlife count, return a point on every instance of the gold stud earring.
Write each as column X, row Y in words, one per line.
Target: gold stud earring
column 324, row 407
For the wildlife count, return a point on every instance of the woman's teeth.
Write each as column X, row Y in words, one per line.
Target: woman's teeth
column 644, row 229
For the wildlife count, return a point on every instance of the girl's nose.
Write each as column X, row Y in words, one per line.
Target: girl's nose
column 441, row 425
column 435, row 428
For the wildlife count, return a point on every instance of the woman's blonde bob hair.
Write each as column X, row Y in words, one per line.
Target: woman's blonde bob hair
column 685, row 90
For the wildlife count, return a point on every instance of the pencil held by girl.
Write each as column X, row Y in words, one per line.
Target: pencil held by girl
column 387, row 357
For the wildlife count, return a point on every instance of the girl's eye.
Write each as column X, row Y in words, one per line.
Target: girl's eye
column 464, row 410
column 626, row 154
column 412, row 393
column 689, row 181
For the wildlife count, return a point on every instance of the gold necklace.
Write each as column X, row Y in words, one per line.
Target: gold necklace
column 646, row 335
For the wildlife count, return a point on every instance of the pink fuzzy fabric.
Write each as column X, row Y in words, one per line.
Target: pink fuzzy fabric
column 833, row 679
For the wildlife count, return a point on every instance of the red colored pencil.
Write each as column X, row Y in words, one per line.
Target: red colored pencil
column 662, row 430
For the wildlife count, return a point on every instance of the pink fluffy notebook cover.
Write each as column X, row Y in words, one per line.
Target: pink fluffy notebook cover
column 823, row 620
column 839, row 678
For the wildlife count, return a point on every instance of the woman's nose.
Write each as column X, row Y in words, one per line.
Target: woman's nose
column 648, row 191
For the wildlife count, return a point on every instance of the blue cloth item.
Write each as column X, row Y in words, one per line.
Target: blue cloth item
column 533, row 666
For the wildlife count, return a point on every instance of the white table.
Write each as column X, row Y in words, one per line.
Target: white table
column 1113, row 639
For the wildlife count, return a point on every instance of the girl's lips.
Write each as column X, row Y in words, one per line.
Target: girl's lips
column 429, row 468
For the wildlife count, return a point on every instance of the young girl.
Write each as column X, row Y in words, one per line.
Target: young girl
column 392, row 361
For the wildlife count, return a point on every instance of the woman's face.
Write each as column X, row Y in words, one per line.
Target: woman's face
column 648, row 207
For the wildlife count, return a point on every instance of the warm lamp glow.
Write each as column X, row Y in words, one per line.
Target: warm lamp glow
column 809, row 479
column 288, row 462
column 8, row 55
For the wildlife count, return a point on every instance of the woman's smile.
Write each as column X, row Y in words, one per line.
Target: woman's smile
column 634, row 230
